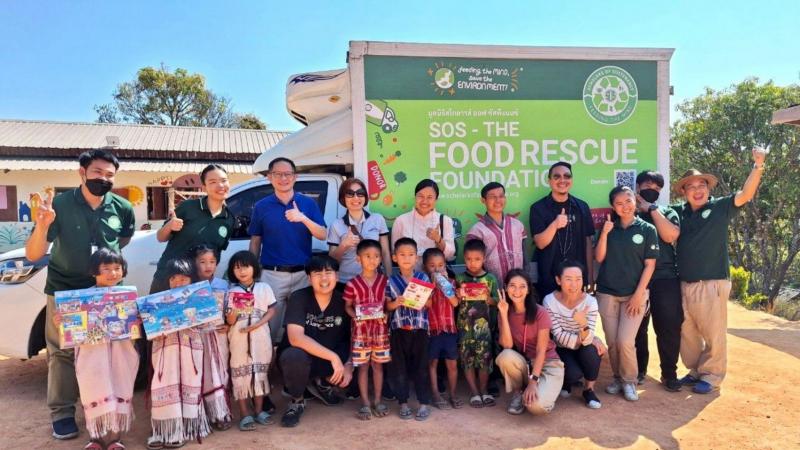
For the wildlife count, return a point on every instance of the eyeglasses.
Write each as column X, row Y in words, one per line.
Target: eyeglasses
column 361, row 193
column 284, row 175
column 558, row 176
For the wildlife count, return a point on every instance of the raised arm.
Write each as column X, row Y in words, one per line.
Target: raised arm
column 751, row 184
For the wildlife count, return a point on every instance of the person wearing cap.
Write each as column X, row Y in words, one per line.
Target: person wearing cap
column 562, row 229
column 703, row 267
column 281, row 228
column 665, row 287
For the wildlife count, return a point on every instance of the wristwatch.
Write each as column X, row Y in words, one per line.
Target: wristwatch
column 533, row 377
column 652, row 207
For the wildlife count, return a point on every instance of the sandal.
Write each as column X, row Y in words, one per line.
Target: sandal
column 222, row 426
column 178, row 444
column 93, row 445
column 441, row 404
column 380, row 410
column 247, row 424
column 488, row 400
column 364, row 413
column 116, row 445
column 264, row 418
column 405, row 412
column 476, row 401
column 456, row 403
column 423, row 413
column 153, row 443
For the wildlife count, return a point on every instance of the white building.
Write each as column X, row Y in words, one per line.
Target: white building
column 36, row 155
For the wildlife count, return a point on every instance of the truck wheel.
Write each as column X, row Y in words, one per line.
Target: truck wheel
column 36, row 340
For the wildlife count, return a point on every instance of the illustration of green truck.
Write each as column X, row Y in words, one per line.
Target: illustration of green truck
column 380, row 114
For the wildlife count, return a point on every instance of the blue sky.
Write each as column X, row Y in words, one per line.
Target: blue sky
column 59, row 58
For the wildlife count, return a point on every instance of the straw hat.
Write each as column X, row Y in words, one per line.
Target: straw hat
column 692, row 175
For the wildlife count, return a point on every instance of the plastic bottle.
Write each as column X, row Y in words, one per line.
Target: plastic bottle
column 445, row 285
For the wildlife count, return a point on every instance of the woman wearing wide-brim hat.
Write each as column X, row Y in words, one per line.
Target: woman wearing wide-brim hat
column 703, row 267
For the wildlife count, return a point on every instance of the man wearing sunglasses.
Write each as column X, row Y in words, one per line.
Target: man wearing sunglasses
column 281, row 229
column 562, row 229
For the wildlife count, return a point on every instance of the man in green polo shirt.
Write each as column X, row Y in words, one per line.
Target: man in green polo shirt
column 77, row 222
column 703, row 266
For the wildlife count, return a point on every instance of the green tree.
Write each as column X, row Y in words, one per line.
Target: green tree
column 159, row 96
column 716, row 134
column 249, row 122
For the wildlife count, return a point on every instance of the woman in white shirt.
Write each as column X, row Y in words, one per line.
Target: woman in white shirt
column 426, row 226
column 573, row 314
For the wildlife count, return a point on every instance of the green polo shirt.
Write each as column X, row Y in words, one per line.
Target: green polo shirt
column 76, row 228
column 198, row 228
column 703, row 243
column 626, row 250
column 666, row 264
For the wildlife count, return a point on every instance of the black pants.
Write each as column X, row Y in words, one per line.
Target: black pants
column 642, row 350
column 299, row 367
column 581, row 363
column 667, row 311
column 410, row 364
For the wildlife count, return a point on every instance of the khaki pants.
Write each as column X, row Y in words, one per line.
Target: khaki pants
column 282, row 284
column 705, row 322
column 62, row 385
column 620, row 331
column 514, row 368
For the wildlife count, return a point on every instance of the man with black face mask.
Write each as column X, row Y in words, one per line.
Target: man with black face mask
column 665, row 287
column 78, row 222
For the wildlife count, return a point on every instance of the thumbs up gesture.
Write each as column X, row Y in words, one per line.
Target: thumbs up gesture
column 294, row 214
column 580, row 316
column 175, row 223
column 562, row 219
column 608, row 225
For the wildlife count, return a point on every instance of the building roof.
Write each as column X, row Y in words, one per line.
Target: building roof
column 128, row 165
column 26, row 139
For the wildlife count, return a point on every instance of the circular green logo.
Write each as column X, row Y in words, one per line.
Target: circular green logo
column 114, row 223
column 705, row 214
column 223, row 232
column 444, row 78
column 610, row 95
column 637, row 238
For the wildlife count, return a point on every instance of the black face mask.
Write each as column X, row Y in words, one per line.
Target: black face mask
column 649, row 195
column 98, row 186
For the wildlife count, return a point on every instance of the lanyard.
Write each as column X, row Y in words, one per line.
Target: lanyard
column 524, row 338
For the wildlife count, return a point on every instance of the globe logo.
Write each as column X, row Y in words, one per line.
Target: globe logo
column 444, row 78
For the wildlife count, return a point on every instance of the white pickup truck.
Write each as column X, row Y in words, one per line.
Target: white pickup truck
column 22, row 296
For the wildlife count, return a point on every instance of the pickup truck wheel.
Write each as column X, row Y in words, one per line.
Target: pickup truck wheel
column 36, row 340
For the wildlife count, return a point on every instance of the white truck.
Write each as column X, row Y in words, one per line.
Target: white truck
column 461, row 115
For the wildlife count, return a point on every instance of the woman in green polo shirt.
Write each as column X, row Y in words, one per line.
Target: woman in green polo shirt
column 203, row 220
column 627, row 249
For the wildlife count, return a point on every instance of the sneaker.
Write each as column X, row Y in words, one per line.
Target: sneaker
column 268, row 407
column 703, row 387
column 65, row 428
column 565, row 393
column 591, row 399
column 640, row 378
column 629, row 391
column 615, row 387
column 293, row 413
column 671, row 384
column 323, row 391
column 689, row 380
column 352, row 393
column 515, row 406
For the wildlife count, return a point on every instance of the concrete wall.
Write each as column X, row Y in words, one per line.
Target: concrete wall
column 13, row 234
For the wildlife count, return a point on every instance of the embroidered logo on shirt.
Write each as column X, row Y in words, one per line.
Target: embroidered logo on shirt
column 114, row 223
column 223, row 232
column 705, row 214
column 637, row 238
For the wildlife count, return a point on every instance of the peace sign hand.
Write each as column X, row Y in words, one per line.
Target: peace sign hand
column 45, row 214
column 294, row 214
column 502, row 304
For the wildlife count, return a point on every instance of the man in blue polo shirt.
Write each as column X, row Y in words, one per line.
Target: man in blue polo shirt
column 280, row 232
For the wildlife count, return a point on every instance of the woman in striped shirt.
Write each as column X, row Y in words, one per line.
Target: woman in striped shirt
column 573, row 314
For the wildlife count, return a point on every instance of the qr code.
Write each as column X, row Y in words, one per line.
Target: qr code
column 625, row 178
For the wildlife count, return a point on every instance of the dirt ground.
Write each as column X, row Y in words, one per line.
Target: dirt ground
column 757, row 408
